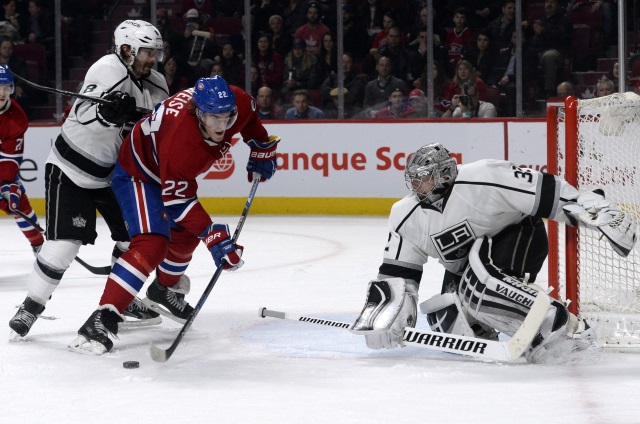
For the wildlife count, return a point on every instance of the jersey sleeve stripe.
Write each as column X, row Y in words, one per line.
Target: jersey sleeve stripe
column 401, row 271
column 548, row 197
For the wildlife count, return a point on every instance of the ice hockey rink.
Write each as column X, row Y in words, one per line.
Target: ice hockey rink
column 234, row 367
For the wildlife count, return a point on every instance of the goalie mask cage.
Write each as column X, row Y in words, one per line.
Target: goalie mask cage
column 595, row 143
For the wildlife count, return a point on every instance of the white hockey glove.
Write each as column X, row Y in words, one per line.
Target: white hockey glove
column 391, row 306
column 594, row 211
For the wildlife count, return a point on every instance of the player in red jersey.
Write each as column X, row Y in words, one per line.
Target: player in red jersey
column 13, row 125
column 155, row 184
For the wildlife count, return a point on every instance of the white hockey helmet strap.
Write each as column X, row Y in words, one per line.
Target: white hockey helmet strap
column 138, row 34
column 432, row 160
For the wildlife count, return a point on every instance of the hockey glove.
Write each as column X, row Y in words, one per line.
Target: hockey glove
column 121, row 110
column 262, row 159
column 224, row 251
column 11, row 193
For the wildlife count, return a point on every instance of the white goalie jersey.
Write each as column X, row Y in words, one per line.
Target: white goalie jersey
column 88, row 147
column 487, row 196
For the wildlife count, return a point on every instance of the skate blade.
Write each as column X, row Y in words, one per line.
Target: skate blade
column 138, row 323
column 87, row 347
column 161, row 310
column 17, row 338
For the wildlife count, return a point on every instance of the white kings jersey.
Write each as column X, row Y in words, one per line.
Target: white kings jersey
column 487, row 196
column 88, row 147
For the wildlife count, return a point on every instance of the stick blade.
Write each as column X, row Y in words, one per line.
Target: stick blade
column 157, row 354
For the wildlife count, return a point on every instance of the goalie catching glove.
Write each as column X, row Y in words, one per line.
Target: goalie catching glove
column 121, row 110
column 11, row 193
column 262, row 159
column 594, row 211
column 224, row 251
column 391, row 306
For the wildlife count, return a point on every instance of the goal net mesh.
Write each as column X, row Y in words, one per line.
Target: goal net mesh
column 608, row 157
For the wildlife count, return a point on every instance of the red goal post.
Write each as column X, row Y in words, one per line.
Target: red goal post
column 595, row 143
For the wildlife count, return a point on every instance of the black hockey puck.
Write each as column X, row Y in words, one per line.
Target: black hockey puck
column 131, row 364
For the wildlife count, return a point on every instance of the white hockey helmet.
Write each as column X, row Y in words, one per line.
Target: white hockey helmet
column 138, row 34
column 432, row 160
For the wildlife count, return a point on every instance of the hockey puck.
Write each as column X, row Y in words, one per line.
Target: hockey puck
column 131, row 364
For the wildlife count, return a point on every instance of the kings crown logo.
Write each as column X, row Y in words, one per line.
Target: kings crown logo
column 79, row 221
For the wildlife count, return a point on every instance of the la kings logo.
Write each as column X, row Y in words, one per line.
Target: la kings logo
column 455, row 242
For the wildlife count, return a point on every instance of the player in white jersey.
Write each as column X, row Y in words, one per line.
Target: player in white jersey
column 482, row 221
column 81, row 163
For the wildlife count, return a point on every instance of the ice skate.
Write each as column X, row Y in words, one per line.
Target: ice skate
column 23, row 320
column 167, row 302
column 581, row 346
column 93, row 336
column 138, row 315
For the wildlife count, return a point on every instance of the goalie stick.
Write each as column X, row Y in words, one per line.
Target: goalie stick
column 98, row 270
column 507, row 351
column 163, row 355
column 52, row 90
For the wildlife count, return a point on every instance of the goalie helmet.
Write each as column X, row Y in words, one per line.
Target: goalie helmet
column 138, row 34
column 6, row 77
column 214, row 96
column 429, row 161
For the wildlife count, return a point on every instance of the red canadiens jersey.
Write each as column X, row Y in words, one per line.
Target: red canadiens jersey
column 168, row 149
column 13, row 125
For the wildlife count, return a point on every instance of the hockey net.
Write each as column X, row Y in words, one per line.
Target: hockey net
column 595, row 143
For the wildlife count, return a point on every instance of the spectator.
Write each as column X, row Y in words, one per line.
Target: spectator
column 501, row 28
column 267, row 109
column 167, row 31
column 40, row 27
column 399, row 55
column 176, row 81
column 197, row 46
column 464, row 73
column 300, row 69
column 614, row 75
column 397, row 108
column 232, row 65
column 10, row 21
column 301, row 108
column 503, row 76
column 331, row 108
column 294, row 15
column 238, row 40
column 256, row 79
column 604, row 87
column 418, row 52
column 313, row 30
column 482, row 56
column 371, row 12
column 203, row 7
column 327, row 57
column 418, row 102
column 216, row 69
column 459, row 38
column 19, row 67
column 282, row 42
column 263, row 11
column 609, row 27
column 389, row 20
column 468, row 106
column 356, row 40
column 353, row 82
column 378, row 90
column 549, row 38
column 269, row 62
column 565, row 89
column 440, row 82
column 439, row 33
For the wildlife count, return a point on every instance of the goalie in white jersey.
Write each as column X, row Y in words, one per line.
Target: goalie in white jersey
column 483, row 222
column 81, row 163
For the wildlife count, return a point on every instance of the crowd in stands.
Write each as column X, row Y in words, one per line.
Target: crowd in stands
column 294, row 61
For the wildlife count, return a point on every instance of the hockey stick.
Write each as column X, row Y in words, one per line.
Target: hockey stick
column 163, row 355
column 98, row 270
column 52, row 90
column 491, row 350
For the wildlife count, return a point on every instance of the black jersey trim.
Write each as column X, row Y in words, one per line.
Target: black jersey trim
column 519, row 190
column 400, row 271
column 547, row 202
column 79, row 161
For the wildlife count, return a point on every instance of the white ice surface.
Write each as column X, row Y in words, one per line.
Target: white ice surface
column 234, row 367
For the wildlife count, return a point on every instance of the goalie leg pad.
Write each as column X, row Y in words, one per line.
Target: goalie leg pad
column 391, row 306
